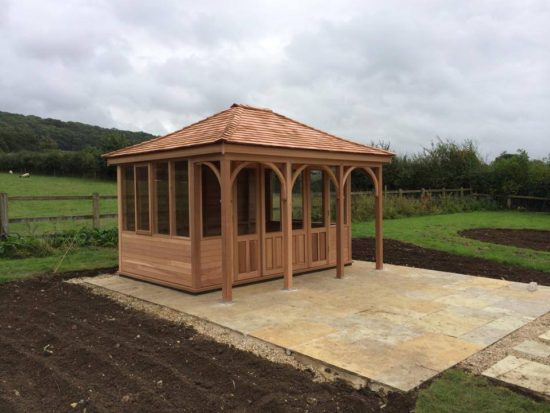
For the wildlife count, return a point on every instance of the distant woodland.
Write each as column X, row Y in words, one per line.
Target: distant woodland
column 53, row 147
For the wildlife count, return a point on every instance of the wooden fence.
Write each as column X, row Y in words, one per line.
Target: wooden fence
column 422, row 192
column 95, row 216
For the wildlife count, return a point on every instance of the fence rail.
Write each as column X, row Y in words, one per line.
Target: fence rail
column 96, row 216
column 401, row 192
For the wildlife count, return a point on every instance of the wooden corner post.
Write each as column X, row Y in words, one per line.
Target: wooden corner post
column 287, row 227
column 340, row 223
column 227, row 230
column 379, row 212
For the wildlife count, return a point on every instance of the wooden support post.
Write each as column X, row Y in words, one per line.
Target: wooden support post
column 400, row 193
column 287, row 227
column 227, row 230
column 120, row 212
column 462, row 192
column 379, row 212
column 340, row 223
column 3, row 215
column 95, row 210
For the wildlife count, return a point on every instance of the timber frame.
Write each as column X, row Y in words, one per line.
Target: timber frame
column 241, row 196
column 208, row 263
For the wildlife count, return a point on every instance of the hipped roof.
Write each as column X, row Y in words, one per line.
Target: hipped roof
column 243, row 124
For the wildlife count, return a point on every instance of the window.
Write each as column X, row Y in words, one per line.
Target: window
column 272, row 202
column 298, row 203
column 246, row 201
column 142, row 197
column 181, row 191
column 317, row 192
column 128, row 201
column 332, row 202
column 211, row 203
column 162, row 198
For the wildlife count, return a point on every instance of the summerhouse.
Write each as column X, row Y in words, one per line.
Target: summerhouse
column 242, row 196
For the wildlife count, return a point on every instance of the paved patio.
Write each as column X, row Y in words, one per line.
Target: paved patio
column 397, row 327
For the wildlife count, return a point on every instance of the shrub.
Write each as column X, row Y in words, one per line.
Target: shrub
column 17, row 246
column 362, row 206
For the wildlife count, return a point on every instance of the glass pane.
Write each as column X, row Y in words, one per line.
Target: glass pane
column 298, row 203
column 181, row 190
column 246, row 202
column 332, row 199
column 272, row 202
column 128, row 200
column 142, row 196
column 317, row 199
column 162, row 200
column 211, row 203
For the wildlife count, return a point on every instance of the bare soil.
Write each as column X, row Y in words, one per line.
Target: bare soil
column 523, row 238
column 63, row 348
column 402, row 253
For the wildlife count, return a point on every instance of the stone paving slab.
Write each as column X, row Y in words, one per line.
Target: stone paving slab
column 533, row 348
column 398, row 327
column 523, row 373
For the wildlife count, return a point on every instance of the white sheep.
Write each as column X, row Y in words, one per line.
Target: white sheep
column 25, row 175
column 11, row 172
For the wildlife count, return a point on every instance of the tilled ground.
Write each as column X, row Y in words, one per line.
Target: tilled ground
column 402, row 253
column 523, row 238
column 61, row 345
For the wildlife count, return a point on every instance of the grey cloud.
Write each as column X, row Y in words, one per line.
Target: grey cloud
column 396, row 71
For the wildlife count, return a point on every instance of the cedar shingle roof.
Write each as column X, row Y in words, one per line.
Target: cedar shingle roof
column 243, row 124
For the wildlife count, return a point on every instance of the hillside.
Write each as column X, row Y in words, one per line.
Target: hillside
column 20, row 132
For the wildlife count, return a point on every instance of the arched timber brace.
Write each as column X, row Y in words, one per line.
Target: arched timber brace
column 376, row 176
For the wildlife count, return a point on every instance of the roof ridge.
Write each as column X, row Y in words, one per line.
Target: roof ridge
column 333, row 136
column 232, row 123
column 164, row 136
column 241, row 105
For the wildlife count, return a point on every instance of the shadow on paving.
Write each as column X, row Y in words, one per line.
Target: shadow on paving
column 402, row 253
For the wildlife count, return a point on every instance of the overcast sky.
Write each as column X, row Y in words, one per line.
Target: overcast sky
column 398, row 71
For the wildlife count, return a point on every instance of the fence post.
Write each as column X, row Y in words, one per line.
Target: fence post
column 462, row 192
column 385, row 191
column 400, row 193
column 509, row 202
column 95, row 209
column 3, row 215
column 444, row 192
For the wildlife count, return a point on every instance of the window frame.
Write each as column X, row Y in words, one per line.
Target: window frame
column 123, row 197
column 199, row 174
column 154, row 200
column 149, row 195
column 172, row 173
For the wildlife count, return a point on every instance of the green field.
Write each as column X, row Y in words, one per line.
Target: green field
column 48, row 185
column 441, row 232
column 455, row 391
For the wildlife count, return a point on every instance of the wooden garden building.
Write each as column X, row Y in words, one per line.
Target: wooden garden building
column 241, row 196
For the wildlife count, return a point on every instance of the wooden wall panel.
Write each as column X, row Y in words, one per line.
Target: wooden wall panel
column 273, row 251
column 156, row 257
column 299, row 250
column 211, row 261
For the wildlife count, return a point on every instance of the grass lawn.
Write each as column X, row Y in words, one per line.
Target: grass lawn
column 441, row 232
column 459, row 392
column 51, row 185
column 79, row 259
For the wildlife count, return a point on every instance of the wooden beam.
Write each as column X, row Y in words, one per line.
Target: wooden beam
column 287, row 227
column 379, row 212
column 227, row 230
column 340, row 223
